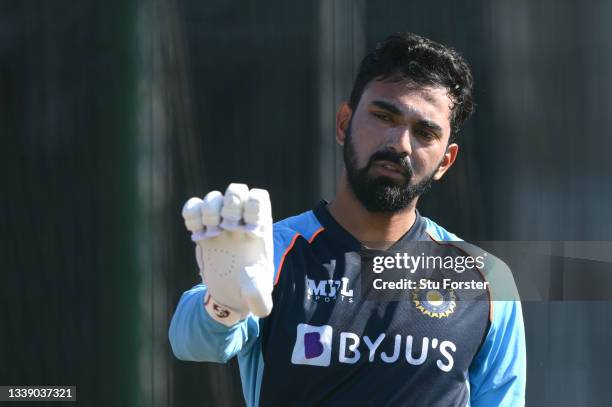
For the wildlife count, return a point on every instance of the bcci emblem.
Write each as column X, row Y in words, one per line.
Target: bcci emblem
column 436, row 303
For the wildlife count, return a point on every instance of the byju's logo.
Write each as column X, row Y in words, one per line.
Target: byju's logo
column 313, row 345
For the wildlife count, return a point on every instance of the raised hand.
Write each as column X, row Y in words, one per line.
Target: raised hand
column 234, row 250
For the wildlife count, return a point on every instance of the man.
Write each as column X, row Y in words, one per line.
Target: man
column 320, row 336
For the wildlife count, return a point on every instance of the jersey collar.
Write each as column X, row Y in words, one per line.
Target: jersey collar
column 416, row 232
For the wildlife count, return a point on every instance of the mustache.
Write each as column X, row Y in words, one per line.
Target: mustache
column 401, row 160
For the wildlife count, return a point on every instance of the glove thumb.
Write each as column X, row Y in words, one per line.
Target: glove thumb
column 256, row 288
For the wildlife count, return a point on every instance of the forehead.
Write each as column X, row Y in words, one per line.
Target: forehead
column 431, row 102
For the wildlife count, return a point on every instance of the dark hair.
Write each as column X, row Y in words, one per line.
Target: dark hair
column 423, row 62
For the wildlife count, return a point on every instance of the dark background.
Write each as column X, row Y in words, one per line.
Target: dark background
column 113, row 113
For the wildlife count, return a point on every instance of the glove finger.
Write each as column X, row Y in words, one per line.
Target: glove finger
column 211, row 209
column 257, row 210
column 191, row 215
column 233, row 205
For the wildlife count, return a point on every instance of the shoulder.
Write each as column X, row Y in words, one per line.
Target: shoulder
column 305, row 225
column 437, row 232
column 288, row 231
column 495, row 270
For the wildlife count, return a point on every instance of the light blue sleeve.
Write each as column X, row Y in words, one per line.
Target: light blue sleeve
column 498, row 374
column 196, row 336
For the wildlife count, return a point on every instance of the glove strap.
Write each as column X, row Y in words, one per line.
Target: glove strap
column 221, row 313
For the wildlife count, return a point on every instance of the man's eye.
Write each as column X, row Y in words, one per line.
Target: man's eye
column 382, row 117
column 426, row 134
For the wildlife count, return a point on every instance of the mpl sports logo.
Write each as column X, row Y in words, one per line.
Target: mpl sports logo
column 329, row 290
column 314, row 347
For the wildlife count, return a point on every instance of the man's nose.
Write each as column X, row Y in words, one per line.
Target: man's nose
column 400, row 140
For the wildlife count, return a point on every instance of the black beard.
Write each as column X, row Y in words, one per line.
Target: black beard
column 382, row 194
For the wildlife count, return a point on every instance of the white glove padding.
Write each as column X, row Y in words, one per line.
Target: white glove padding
column 234, row 250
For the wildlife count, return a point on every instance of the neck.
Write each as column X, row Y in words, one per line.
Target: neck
column 368, row 226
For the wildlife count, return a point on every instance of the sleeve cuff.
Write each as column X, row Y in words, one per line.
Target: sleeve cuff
column 221, row 313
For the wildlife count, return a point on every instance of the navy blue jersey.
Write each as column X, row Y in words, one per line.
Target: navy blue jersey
column 330, row 341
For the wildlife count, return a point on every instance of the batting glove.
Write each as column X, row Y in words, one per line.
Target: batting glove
column 234, row 251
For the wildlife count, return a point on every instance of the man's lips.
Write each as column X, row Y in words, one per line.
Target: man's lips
column 389, row 166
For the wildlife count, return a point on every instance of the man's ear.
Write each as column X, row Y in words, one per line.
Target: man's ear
column 343, row 118
column 449, row 158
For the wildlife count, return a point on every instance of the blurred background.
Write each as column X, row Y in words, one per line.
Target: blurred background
column 113, row 113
